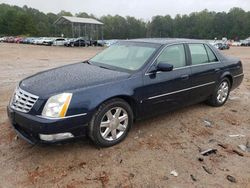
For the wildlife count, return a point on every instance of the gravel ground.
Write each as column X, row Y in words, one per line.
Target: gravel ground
column 153, row 149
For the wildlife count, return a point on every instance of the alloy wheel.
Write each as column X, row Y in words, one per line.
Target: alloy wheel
column 114, row 124
column 223, row 92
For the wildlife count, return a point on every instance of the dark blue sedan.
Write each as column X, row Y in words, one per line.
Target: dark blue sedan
column 130, row 80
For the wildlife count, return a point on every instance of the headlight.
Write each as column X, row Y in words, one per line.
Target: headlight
column 57, row 105
column 13, row 95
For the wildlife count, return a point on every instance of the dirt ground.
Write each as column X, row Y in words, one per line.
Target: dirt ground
column 153, row 149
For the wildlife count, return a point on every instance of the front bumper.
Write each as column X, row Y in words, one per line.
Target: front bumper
column 29, row 127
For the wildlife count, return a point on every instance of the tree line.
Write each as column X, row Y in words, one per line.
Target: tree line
column 234, row 24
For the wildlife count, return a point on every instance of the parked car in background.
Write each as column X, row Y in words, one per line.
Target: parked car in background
column 222, row 46
column 77, row 42
column 48, row 41
column 69, row 41
column 130, row 80
column 110, row 42
column 236, row 43
column 245, row 42
column 5, row 39
column 2, row 39
column 93, row 42
column 96, row 43
column 11, row 39
column 225, row 46
column 38, row 40
column 59, row 41
column 21, row 41
column 100, row 43
column 28, row 40
column 25, row 40
column 218, row 46
column 43, row 41
column 18, row 39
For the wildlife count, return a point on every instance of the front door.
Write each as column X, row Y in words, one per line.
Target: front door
column 165, row 91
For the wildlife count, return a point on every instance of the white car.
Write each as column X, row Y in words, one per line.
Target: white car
column 2, row 39
column 235, row 43
column 109, row 43
column 59, row 42
column 43, row 41
column 38, row 40
column 48, row 41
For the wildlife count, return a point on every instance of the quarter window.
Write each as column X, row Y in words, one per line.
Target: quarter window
column 211, row 56
column 198, row 54
column 174, row 55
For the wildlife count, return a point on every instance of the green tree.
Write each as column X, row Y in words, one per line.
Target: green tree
column 235, row 24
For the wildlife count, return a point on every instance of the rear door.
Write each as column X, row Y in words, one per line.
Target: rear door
column 165, row 91
column 205, row 71
column 56, row 42
column 60, row 42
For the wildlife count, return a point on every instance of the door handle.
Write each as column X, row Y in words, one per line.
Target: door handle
column 185, row 77
column 217, row 70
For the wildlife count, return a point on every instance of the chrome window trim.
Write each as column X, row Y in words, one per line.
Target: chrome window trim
column 206, row 45
column 148, row 73
column 202, row 64
column 58, row 118
column 178, row 91
column 189, row 66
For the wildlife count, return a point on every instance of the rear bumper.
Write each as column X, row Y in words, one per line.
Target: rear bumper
column 29, row 127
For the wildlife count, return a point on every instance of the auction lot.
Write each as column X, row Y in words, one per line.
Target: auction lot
column 153, row 148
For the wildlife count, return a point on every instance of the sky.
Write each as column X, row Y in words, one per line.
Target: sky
column 144, row 9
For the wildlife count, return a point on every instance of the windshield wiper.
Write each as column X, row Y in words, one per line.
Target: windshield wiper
column 97, row 64
column 104, row 67
column 88, row 62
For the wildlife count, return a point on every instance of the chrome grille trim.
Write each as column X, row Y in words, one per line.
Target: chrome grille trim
column 23, row 101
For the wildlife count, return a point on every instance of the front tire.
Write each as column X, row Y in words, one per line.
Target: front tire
column 111, row 123
column 221, row 93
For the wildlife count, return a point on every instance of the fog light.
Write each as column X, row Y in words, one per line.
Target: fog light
column 55, row 137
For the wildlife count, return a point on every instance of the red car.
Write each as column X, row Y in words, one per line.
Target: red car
column 18, row 39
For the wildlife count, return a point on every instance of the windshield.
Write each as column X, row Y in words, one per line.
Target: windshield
column 124, row 56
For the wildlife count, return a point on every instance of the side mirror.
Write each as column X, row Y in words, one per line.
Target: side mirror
column 164, row 67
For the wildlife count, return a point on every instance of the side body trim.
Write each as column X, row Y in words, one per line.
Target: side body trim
column 239, row 75
column 182, row 90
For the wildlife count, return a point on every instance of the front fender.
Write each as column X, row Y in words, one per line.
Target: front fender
column 87, row 100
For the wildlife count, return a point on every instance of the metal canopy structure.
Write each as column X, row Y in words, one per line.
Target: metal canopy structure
column 82, row 27
column 77, row 20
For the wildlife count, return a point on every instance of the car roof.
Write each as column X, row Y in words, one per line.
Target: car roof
column 167, row 40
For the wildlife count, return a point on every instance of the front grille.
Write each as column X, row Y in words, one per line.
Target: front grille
column 23, row 101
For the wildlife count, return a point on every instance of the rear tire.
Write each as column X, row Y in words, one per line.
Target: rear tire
column 111, row 123
column 221, row 93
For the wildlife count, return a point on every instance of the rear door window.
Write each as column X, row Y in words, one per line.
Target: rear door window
column 211, row 56
column 198, row 54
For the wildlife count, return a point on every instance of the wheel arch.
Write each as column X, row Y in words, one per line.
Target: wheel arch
column 130, row 100
column 228, row 76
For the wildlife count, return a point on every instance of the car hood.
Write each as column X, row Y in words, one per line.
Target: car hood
column 68, row 78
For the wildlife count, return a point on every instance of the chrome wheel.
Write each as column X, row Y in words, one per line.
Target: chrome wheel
column 223, row 92
column 114, row 124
